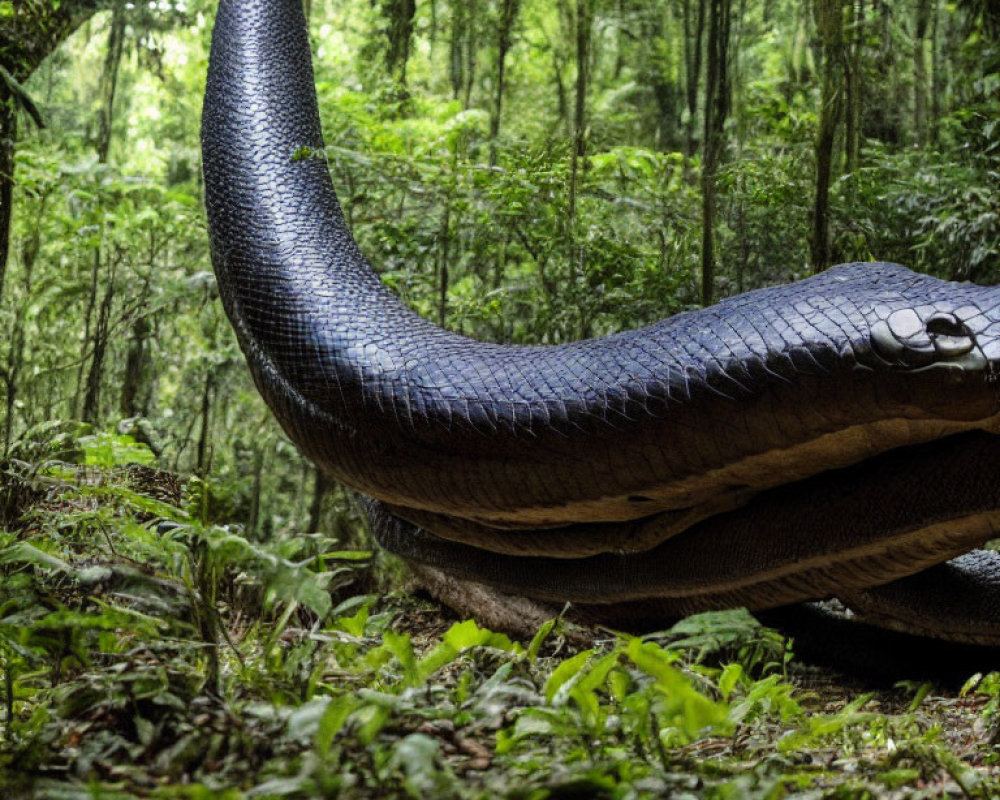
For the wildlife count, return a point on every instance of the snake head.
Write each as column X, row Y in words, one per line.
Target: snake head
column 929, row 337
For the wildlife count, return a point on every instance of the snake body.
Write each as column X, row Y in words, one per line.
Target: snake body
column 603, row 471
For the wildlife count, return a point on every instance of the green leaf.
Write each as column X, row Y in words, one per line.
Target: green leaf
column 25, row 553
column 401, row 647
column 353, row 625
column 731, row 676
column 334, row 716
column 680, row 705
column 539, row 639
column 568, row 670
column 112, row 450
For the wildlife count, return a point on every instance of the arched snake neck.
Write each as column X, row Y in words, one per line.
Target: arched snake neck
column 609, row 448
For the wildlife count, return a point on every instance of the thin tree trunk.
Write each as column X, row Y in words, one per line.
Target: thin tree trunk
column 92, row 399
column 620, row 39
column 922, row 26
column 109, row 87
column 829, row 21
column 693, row 34
column 15, row 358
column 321, row 487
column 137, row 367
column 136, row 361
column 109, row 80
column 400, row 15
column 253, row 515
column 937, row 84
column 584, row 24
column 204, row 453
column 12, row 374
column 443, row 268
column 88, row 324
column 716, row 112
column 654, row 73
column 505, row 28
column 584, row 29
column 853, row 71
column 471, row 50
column 8, row 139
column 459, row 22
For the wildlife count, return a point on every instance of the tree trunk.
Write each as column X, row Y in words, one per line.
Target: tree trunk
column 92, row 399
column 109, row 87
column 445, row 254
column 136, row 367
column 693, row 34
column 922, row 25
column 456, row 50
column 584, row 26
column 88, row 323
column 716, row 112
column 584, row 31
column 8, row 139
column 463, row 49
column 399, row 14
column 471, row 48
column 853, row 71
column 830, row 25
column 321, row 486
column 109, row 80
column 622, row 14
column 937, row 82
column 15, row 357
column 654, row 72
column 204, row 456
column 253, row 514
column 505, row 29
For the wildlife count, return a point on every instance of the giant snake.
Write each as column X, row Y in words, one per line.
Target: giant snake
column 823, row 438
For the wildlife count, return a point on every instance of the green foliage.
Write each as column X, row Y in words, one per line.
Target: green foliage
column 146, row 652
column 110, row 450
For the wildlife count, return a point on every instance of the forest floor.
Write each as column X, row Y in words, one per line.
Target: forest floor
column 149, row 651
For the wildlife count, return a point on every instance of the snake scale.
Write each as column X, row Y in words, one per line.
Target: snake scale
column 824, row 438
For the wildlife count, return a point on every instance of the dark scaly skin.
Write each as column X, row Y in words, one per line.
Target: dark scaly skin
column 531, row 436
column 685, row 417
column 961, row 597
column 837, row 533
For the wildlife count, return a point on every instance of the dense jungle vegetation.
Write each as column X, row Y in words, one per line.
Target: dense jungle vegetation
column 188, row 609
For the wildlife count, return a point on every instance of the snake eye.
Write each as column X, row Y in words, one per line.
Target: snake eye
column 946, row 325
column 904, row 337
column 950, row 337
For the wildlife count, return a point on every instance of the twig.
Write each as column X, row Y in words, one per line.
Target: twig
column 18, row 91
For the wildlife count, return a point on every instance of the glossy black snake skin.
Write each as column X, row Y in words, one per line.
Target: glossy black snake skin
column 600, row 446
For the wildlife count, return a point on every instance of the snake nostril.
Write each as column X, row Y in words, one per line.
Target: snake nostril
column 946, row 326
